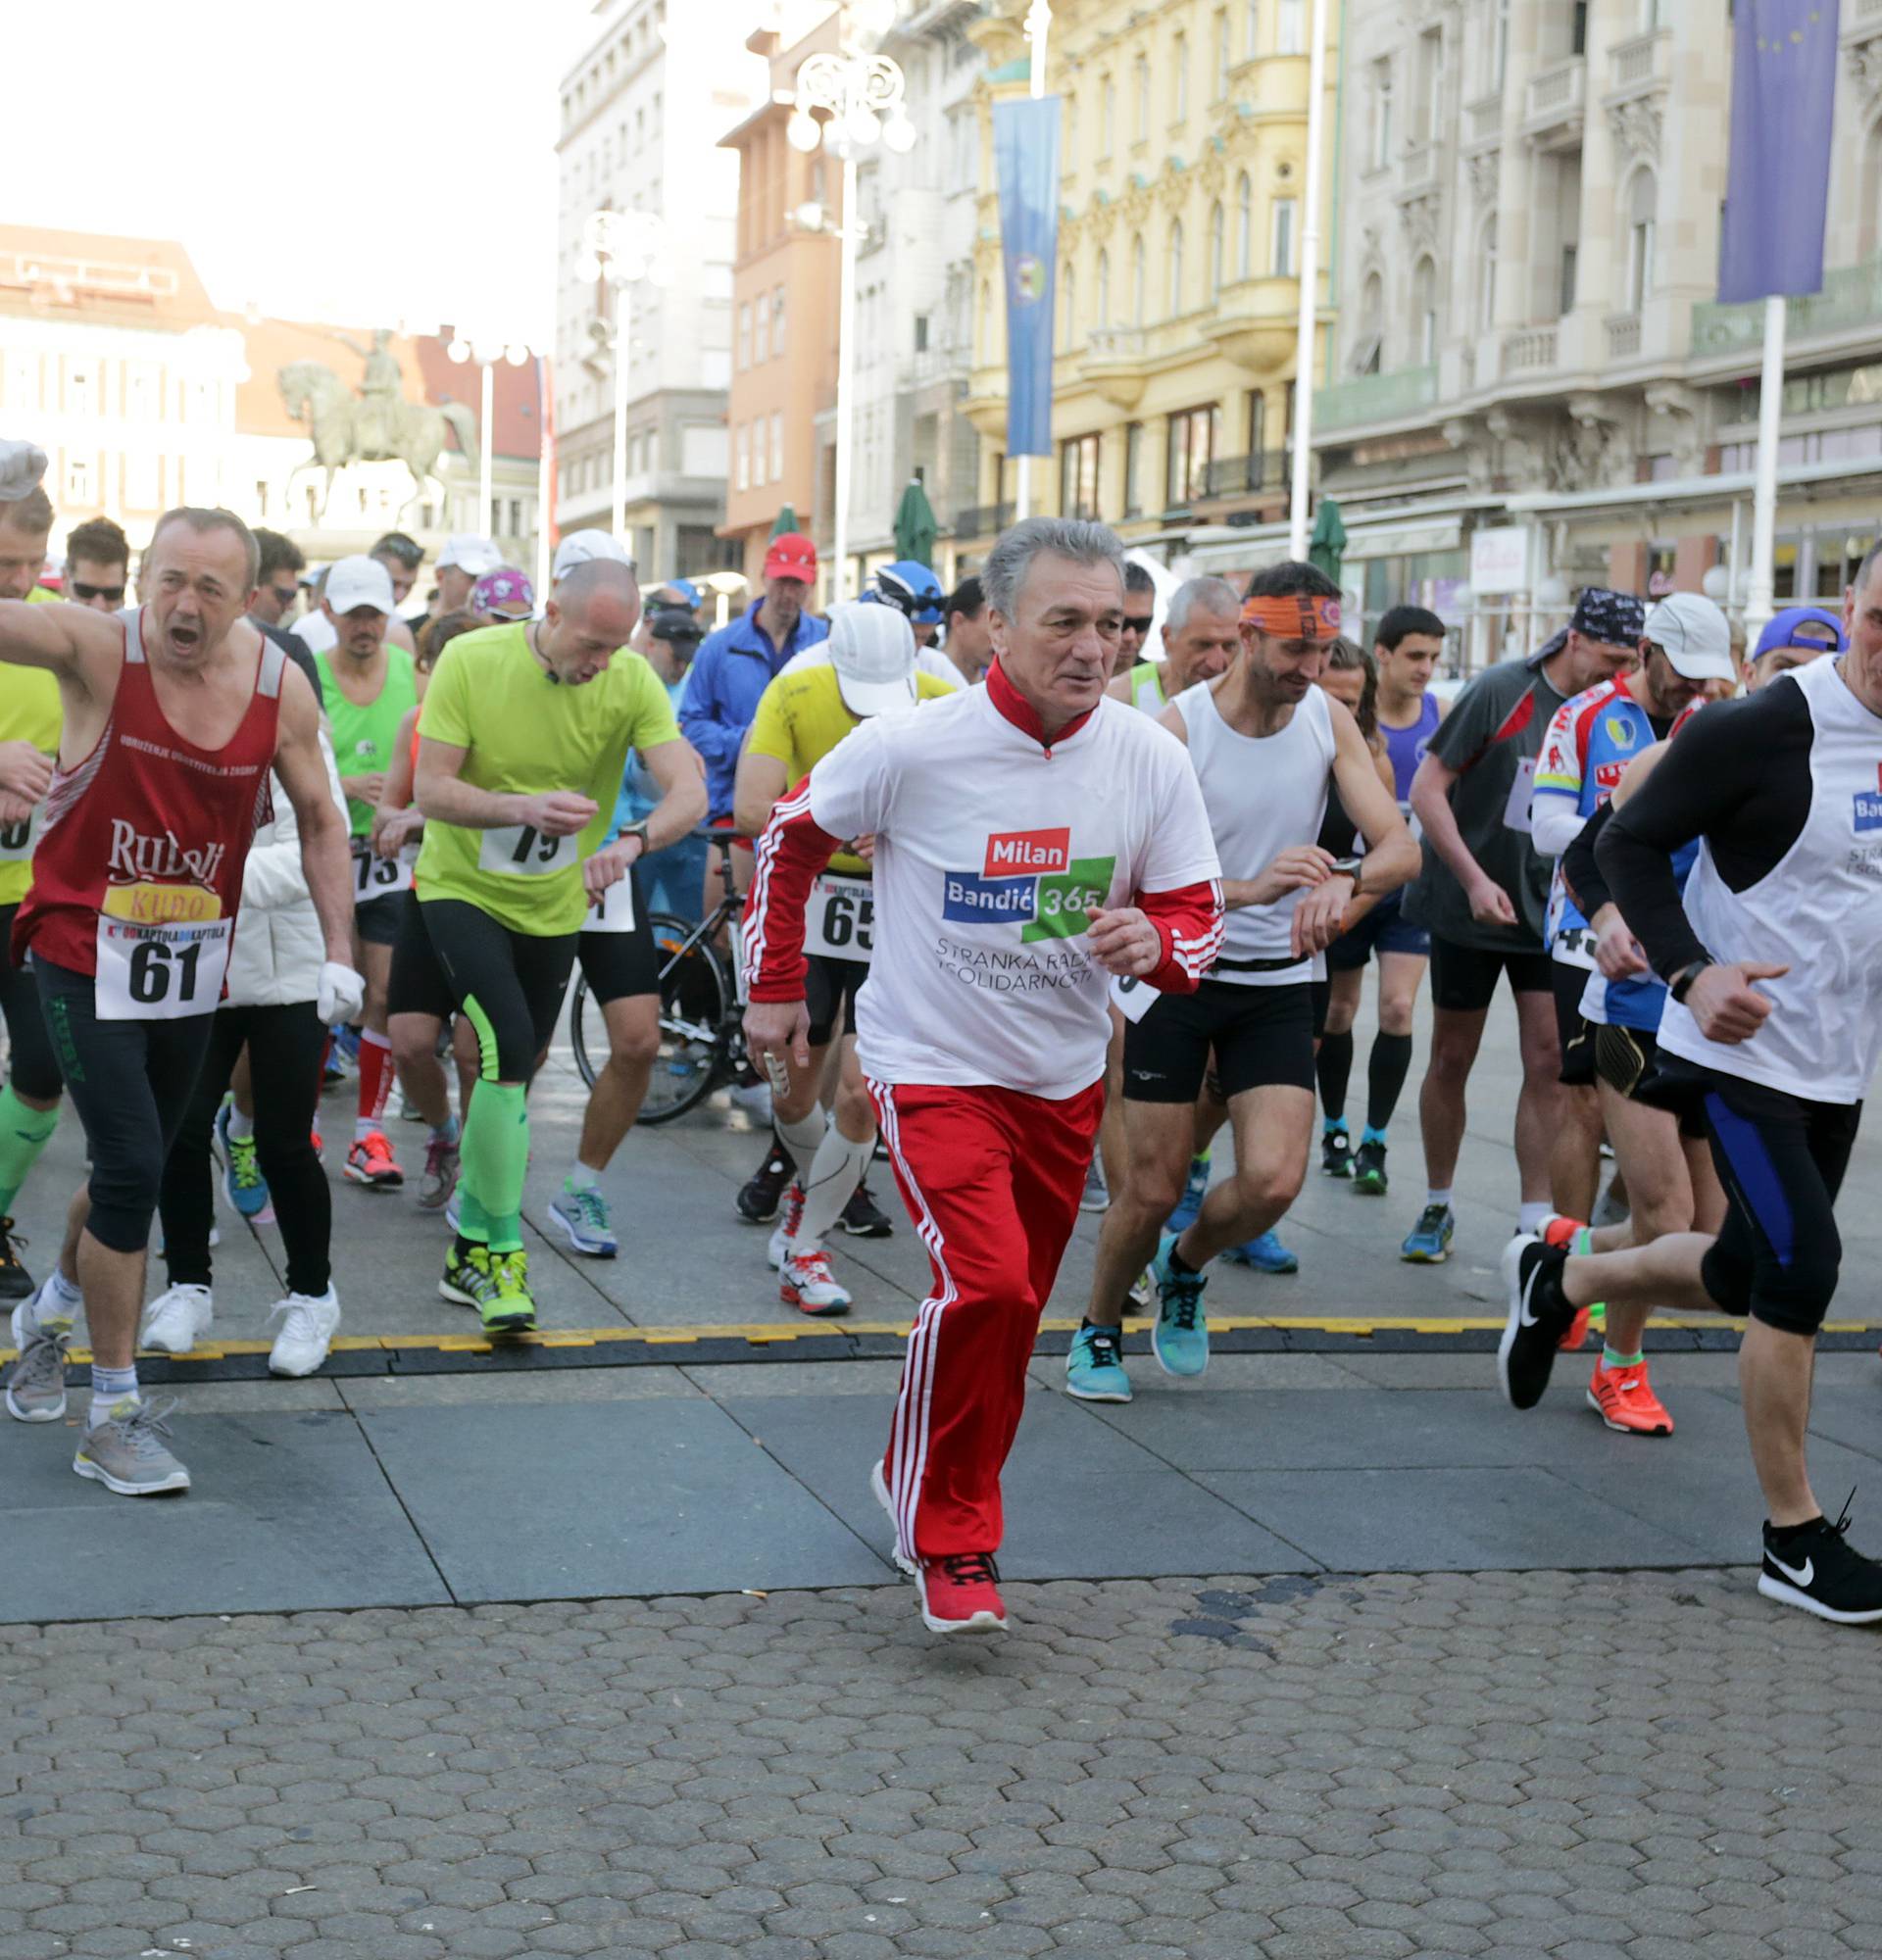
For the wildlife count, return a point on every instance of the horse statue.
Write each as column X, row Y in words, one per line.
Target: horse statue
column 346, row 428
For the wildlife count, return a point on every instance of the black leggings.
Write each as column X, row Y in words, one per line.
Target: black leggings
column 284, row 1046
column 32, row 1071
column 509, row 983
column 131, row 1082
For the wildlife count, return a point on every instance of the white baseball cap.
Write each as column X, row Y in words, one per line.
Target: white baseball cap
column 583, row 546
column 872, row 650
column 358, row 581
column 470, row 552
column 1692, row 633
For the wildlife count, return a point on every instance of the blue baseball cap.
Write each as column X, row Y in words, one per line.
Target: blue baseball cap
column 1789, row 628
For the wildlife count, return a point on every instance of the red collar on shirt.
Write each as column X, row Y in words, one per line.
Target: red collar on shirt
column 1018, row 709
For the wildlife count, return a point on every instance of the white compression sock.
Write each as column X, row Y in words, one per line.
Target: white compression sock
column 802, row 1138
column 833, row 1175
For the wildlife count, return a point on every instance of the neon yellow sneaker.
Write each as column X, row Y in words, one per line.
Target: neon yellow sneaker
column 510, row 1307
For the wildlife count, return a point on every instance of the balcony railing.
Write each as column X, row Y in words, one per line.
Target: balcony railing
column 1241, row 476
column 1483, row 118
column 1417, row 167
column 983, row 521
column 1555, row 99
column 1632, row 63
column 1375, row 398
column 1112, row 346
column 1851, row 301
column 1536, row 347
column 1623, row 336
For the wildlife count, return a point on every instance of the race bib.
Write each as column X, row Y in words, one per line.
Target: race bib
column 1132, row 995
column 161, row 972
column 378, row 877
column 840, row 922
column 613, row 910
column 521, row 850
column 1515, row 813
column 18, row 839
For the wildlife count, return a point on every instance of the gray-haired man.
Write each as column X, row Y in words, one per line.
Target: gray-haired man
column 1201, row 634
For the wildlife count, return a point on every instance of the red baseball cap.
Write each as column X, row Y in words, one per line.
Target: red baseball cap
column 791, row 556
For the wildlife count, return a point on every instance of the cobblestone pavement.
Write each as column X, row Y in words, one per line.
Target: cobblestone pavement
column 1638, row 1765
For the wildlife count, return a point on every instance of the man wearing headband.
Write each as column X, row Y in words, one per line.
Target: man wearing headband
column 1266, row 744
column 1483, row 895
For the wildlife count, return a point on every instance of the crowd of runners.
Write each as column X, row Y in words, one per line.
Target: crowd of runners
column 1057, row 895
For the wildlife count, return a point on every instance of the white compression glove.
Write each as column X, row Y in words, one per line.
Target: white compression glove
column 342, row 993
column 22, row 465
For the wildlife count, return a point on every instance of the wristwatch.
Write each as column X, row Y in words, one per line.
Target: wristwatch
column 1349, row 867
column 638, row 830
column 1680, row 985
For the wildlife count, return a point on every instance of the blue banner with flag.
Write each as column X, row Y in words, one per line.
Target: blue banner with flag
column 1783, row 93
column 1026, row 153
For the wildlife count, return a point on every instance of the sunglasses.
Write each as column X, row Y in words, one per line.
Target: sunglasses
column 1136, row 623
column 285, row 594
column 81, row 590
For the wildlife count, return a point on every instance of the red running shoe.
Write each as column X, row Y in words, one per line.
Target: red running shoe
column 961, row 1593
column 371, row 1161
column 1624, row 1400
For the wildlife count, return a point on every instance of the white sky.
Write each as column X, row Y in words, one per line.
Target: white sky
column 368, row 161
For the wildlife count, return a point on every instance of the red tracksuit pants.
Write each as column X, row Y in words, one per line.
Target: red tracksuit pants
column 992, row 1179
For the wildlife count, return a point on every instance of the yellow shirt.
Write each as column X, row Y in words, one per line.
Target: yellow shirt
column 801, row 717
column 29, row 711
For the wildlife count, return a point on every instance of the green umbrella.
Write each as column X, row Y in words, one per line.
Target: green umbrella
column 786, row 521
column 1327, row 545
column 915, row 525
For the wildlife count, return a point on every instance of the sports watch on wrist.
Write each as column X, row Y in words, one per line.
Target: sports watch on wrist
column 637, row 829
column 1349, row 867
column 1681, row 984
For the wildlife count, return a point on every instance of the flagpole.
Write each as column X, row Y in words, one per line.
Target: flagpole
column 1038, row 26
column 1759, row 596
column 1302, row 434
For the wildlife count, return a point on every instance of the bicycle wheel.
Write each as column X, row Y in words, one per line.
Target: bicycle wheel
column 579, row 1006
column 695, row 1009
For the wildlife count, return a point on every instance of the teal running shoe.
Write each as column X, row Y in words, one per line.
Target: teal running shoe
column 583, row 1216
column 1095, row 1366
column 1195, row 1190
column 243, row 1183
column 1265, row 1254
column 1428, row 1243
column 1180, row 1336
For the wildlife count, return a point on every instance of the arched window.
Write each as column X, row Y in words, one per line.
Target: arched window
column 1244, row 226
column 1217, row 249
column 1104, row 290
column 1372, row 333
column 1176, row 268
column 1140, row 108
column 1424, row 312
column 1487, row 276
column 1643, row 196
column 1107, row 117
column 1250, row 27
column 1137, row 280
column 1868, row 203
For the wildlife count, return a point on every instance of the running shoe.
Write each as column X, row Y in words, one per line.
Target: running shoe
column 1368, row 1168
column 879, row 1486
column 1559, row 1230
column 130, row 1452
column 16, row 1283
column 779, row 1249
column 754, row 1099
column 243, row 1183
column 583, row 1215
column 1336, row 1154
column 1142, row 1296
column 510, row 1307
column 1538, row 1317
column 1097, row 1193
column 1195, row 1190
column 758, row 1199
column 1180, row 1336
column 176, row 1320
column 309, row 1323
column 371, row 1161
column 862, row 1218
column 1428, row 1243
column 806, row 1282
column 468, row 1280
column 1095, row 1366
column 961, row 1593
column 1624, row 1400
column 1264, row 1253
column 1815, row 1568
column 37, row 1385
column 439, row 1178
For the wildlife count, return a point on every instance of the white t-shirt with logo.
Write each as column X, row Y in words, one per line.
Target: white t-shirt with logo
column 988, row 848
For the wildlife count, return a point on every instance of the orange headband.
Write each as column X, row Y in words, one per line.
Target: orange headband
column 1300, row 615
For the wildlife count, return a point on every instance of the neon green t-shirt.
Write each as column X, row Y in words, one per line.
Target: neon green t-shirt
column 30, row 710
column 364, row 738
column 525, row 735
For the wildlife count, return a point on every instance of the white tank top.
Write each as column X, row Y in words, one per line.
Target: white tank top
column 1265, row 793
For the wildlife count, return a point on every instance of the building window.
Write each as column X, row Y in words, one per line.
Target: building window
column 1425, row 311
column 1192, row 448
column 745, row 334
column 1104, row 288
column 1282, row 257
column 1224, row 60
column 1578, row 31
column 1487, row 276
column 1217, row 248
column 1179, row 79
column 1078, row 477
column 743, row 451
column 1134, row 469
column 761, row 334
column 777, row 445
column 515, row 516
column 1177, row 270
column 1107, row 117
column 1499, row 46
column 1244, row 227
column 1570, row 255
column 1250, row 28
column 77, row 482
column 1257, row 436
column 1290, row 28
column 1140, row 101
column 1381, row 114
column 1365, row 349
column 1137, row 280
column 778, row 324
column 921, row 333
column 1430, row 104
column 1642, row 198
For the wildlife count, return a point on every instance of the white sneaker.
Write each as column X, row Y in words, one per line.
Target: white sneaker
column 806, row 1282
column 175, row 1321
column 778, row 1249
column 308, row 1325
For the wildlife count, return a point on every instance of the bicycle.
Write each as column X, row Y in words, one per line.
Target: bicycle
column 701, row 1042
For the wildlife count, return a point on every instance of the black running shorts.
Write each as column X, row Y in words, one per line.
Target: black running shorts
column 1258, row 1034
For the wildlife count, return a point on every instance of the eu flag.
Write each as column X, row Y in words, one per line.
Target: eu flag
column 1783, row 90
column 1026, row 153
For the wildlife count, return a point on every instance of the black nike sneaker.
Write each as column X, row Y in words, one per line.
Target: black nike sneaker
column 1336, row 1154
column 16, row 1283
column 862, row 1218
column 760, row 1195
column 1538, row 1315
column 1815, row 1567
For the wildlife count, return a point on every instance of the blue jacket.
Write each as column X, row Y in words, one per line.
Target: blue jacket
column 731, row 670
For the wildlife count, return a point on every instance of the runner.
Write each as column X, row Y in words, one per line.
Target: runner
column 801, row 718
column 915, row 592
column 1405, row 647
column 1774, row 1038
column 968, row 644
column 672, row 880
column 1483, row 895
column 1031, row 840
column 1266, row 745
column 97, row 565
column 368, row 686
column 1140, row 614
column 172, row 715
column 504, row 876
column 399, row 558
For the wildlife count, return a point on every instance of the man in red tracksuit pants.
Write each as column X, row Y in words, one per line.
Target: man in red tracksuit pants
column 1031, row 840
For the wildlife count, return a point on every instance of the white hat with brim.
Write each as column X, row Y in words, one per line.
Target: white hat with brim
column 352, row 582
column 584, row 547
column 469, row 552
column 872, row 650
column 1694, row 635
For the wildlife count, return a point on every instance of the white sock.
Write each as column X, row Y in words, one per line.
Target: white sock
column 1439, row 1197
column 833, row 1175
column 110, row 1389
column 1533, row 1214
column 582, row 1178
column 366, row 1126
column 802, row 1138
column 239, row 1126
column 58, row 1303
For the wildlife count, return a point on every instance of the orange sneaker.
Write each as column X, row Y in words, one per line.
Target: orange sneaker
column 961, row 1593
column 1624, row 1400
column 1561, row 1231
column 371, row 1161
